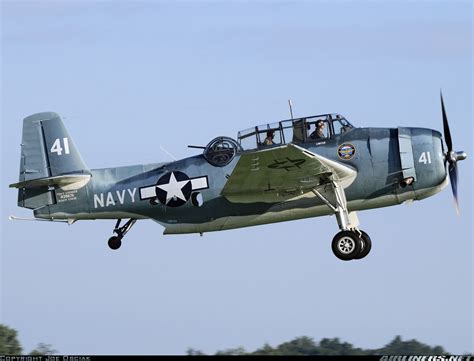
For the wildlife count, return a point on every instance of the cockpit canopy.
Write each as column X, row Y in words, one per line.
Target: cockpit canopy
column 301, row 130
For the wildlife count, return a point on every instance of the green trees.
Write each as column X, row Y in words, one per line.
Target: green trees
column 411, row 347
column 333, row 346
column 43, row 349
column 9, row 344
column 304, row 345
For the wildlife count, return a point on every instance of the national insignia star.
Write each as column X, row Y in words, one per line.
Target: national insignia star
column 173, row 188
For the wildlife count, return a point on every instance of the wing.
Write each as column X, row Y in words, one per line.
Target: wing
column 280, row 173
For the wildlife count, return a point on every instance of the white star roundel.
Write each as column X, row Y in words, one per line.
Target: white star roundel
column 173, row 189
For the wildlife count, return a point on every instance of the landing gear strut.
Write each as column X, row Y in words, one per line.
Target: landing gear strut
column 116, row 241
column 350, row 243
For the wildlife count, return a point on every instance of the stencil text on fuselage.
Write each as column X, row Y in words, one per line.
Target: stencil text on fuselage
column 113, row 198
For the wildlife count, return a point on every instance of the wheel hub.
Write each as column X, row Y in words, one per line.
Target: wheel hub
column 346, row 245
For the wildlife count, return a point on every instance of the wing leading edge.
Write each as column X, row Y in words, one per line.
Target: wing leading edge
column 280, row 173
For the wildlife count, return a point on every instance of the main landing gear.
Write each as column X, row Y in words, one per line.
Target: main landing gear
column 116, row 241
column 350, row 243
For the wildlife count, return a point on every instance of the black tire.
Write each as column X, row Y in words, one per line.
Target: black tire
column 114, row 242
column 345, row 245
column 366, row 245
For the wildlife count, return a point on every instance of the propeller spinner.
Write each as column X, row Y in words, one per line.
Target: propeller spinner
column 451, row 157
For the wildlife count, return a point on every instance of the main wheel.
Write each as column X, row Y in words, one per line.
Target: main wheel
column 366, row 245
column 346, row 245
column 115, row 242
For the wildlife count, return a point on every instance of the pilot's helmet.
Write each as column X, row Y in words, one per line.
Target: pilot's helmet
column 319, row 123
column 270, row 133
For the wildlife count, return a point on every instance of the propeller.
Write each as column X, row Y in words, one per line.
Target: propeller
column 451, row 157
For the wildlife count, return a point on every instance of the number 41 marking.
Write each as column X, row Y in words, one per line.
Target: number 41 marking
column 425, row 158
column 56, row 148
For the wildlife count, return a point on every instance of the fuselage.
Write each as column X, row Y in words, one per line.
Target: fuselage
column 393, row 166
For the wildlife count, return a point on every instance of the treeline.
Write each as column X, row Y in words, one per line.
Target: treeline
column 9, row 345
column 333, row 346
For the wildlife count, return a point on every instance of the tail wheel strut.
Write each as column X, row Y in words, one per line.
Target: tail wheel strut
column 116, row 241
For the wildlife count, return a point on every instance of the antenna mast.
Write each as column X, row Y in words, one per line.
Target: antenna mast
column 291, row 108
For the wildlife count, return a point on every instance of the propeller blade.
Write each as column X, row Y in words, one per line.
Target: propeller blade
column 453, row 178
column 447, row 133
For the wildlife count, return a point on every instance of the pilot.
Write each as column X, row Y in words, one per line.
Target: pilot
column 269, row 139
column 319, row 131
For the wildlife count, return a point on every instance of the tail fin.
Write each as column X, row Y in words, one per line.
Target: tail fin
column 49, row 158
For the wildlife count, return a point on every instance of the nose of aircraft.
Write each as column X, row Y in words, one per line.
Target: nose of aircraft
column 453, row 156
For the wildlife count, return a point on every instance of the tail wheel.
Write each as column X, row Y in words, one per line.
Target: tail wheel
column 115, row 242
column 346, row 245
column 366, row 245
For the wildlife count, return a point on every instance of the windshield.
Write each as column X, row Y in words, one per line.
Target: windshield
column 340, row 124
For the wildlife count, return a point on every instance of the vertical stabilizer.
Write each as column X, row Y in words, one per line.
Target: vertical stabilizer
column 47, row 151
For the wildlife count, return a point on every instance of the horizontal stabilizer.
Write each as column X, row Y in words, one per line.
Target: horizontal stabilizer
column 68, row 221
column 69, row 181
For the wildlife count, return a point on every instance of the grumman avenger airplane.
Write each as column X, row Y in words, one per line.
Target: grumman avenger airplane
column 297, row 168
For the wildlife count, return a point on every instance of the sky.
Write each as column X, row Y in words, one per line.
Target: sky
column 130, row 78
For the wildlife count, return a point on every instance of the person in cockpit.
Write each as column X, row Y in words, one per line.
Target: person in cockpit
column 269, row 139
column 319, row 131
